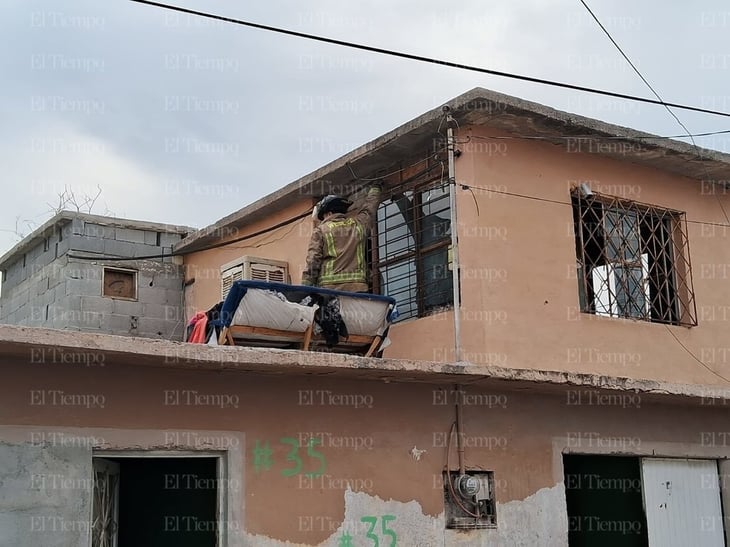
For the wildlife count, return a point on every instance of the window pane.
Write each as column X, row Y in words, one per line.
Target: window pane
column 420, row 281
column 399, row 281
column 437, row 287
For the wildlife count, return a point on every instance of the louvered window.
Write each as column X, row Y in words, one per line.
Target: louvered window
column 253, row 268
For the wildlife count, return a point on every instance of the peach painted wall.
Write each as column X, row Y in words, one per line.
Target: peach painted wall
column 519, row 283
column 518, row 265
column 429, row 339
column 288, row 243
column 520, row 435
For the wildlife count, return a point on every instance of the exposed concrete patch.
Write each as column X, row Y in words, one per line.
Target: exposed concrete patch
column 539, row 520
column 34, row 510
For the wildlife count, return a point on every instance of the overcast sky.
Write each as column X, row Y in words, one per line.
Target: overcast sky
column 184, row 120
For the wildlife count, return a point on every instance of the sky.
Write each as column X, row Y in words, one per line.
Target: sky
column 184, row 120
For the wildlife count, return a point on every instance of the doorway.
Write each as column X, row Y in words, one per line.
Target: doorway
column 155, row 502
column 604, row 499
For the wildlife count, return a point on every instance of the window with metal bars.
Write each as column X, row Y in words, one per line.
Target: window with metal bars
column 633, row 260
column 412, row 256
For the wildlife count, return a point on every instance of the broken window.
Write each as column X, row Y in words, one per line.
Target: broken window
column 413, row 250
column 633, row 260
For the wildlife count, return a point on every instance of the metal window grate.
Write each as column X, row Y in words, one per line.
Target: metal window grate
column 412, row 262
column 633, row 260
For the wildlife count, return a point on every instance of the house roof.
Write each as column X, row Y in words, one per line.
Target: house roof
column 65, row 217
column 478, row 107
column 16, row 343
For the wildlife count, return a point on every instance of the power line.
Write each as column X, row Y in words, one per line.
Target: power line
column 430, row 60
column 621, row 51
column 205, row 248
column 685, row 348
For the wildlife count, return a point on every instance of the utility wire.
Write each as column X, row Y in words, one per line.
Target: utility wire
column 307, row 213
column 206, row 248
column 685, row 348
column 430, row 60
column 621, row 51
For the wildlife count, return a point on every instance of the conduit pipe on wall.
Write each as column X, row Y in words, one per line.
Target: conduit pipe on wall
column 459, row 431
column 451, row 148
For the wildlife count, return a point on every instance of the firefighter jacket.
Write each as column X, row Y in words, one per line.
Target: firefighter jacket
column 336, row 255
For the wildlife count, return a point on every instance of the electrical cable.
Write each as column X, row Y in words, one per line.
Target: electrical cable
column 206, row 248
column 514, row 194
column 537, row 198
column 685, row 348
column 448, row 475
column 371, row 179
column 430, row 60
column 621, row 51
column 691, row 137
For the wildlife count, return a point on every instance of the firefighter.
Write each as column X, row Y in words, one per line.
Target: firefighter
column 336, row 256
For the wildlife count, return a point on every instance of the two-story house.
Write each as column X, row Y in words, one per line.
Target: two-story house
column 557, row 375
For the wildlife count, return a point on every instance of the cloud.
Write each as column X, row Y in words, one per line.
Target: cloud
column 183, row 119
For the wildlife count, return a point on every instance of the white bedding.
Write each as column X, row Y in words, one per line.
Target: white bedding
column 262, row 308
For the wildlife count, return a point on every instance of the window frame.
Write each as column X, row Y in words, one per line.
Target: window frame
column 661, row 253
column 418, row 251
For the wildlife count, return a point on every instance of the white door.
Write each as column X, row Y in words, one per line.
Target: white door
column 682, row 503
column 105, row 519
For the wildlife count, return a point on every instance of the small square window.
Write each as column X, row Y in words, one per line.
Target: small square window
column 120, row 284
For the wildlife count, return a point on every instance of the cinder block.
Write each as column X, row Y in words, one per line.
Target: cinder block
column 131, row 236
column 168, row 240
column 89, row 287
column 98, row 304
column 150, row 238
column 165, row 312
column 87, row 244
column 88, row 320
column 83, row 269
column 62, row 247
column 118, row 324
column 122, row 249
column 77, row 226
column 126, row 307
column 99, row 231
column 169, row 280
column 152, row 295
column 155, row 328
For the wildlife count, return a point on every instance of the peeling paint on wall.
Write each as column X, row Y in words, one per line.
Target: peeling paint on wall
column 539, row 520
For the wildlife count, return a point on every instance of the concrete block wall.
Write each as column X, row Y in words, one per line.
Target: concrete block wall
column 33, row 260
column 56, row 291
column 33, row 290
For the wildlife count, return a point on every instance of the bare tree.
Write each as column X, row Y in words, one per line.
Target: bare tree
column 67, row 200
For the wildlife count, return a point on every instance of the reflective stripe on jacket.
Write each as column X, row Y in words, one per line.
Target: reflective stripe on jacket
column 336, row 253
